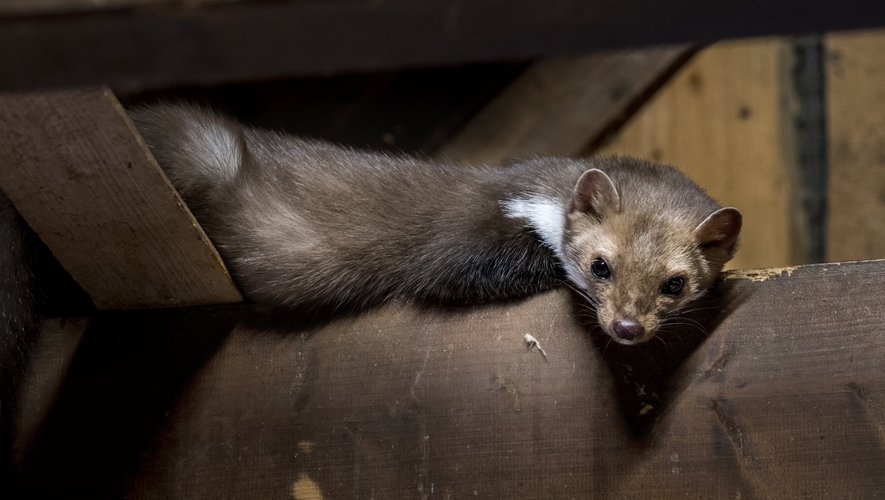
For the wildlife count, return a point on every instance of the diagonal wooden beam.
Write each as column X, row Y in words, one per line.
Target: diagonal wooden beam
column 560, row 105
column 76, row 169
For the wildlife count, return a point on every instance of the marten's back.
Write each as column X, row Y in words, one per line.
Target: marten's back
column 299, row 220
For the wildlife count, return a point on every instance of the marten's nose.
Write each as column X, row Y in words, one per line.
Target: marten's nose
column 628, row 329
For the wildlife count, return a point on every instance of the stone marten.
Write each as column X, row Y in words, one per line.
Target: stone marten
column 307, row 223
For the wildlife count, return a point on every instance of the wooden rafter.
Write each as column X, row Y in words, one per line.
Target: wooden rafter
column 137, row 43
column 559, row 106
column 783, row 399
column 76, row 169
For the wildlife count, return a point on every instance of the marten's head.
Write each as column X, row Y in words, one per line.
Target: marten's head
column 644, row 243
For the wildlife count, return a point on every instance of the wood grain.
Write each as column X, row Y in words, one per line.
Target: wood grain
column 559, row 106
column 726, row 119
column 856, row 145
column 783, row 399
column 163, row 43
column 76, row 169
column 9, row 8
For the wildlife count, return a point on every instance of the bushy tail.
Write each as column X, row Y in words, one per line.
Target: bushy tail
column 199, row 149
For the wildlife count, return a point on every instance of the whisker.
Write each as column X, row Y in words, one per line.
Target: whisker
column 582, row 293
column 693, row 324
column 687, row 326
column 681, row 321
column 686, row 320
column 605, row 349
column 681, row 340
column 662, row 341
column 689, row 309
column 682, row 318
column 591, row 317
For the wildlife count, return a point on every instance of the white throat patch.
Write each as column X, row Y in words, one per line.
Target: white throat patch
column 544, row 215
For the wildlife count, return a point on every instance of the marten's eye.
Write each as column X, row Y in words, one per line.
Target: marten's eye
column 673, row 286
column 600, row 269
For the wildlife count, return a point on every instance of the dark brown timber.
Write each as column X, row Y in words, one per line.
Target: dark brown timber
column 141, row 43
column 784, row 399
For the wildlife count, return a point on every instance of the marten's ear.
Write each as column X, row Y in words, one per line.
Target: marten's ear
column 719, row 232
column 595, row 194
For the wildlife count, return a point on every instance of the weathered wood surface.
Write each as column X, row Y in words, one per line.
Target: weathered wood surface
column 78, row 172
column 161, row 42
column 726, row 119
column 559, row 106
column 856, row 145
column 9, row 8
column 784, row 399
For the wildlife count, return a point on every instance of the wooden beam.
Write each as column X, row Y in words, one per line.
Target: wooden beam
column 727, row 120
column 10, row 8
column 160, row 43
column 856, row 145
column 76, row 169
column 561, row 105
column 783, row 399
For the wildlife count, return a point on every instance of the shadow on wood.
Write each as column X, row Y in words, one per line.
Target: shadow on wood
column 127, row 373
column 643, row 374
column 402, row 402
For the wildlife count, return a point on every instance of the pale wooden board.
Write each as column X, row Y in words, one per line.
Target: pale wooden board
column 558, row 106
column 78, row 172
column 856, row 145
column 725, row 119
column 783, row 399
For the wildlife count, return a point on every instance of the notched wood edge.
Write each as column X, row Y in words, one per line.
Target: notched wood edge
column 759, row 274
column 765, row 274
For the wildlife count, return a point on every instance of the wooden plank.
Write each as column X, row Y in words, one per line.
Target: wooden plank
column 559, row 106
column 164, row 43
column 77, row 171
column 9, row 8
column 726, row 119
column 856, row 145
column 783, row 399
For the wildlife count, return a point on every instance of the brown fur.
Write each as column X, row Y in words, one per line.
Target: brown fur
column 307, row 223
